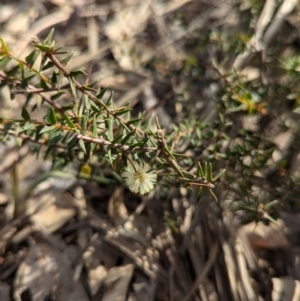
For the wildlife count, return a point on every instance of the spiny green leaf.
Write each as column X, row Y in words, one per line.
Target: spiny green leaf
column 4, row 49
column 66, row 59
column 83, row 124
column 92, row 148
column 13, row 70
column 169, row 153
column 34, row 107
column 27, row 73
column 200, row 172
column 123, row 111
column 93, row 84
column 38, row 134
column 24, row 83
column 94, row 107
column 31, row 58
column 199, row 193
column 49, row 153
column 109, row 156
column 271, row 204
column 75, row 73
column 28, row 99
column 27, row 126
column 82, row 145
column 25, row 115
column 44, row 48
column 47, row 66
column 21, row 66
column 73, row 88
column 44, row 61
column 57, row 51
column 117, row 139
column 127, row 115
column 26, row 77
column 55, row 137
column 4, row 61
column 88, row 88
column 209, row 177
column 57, row 95
column 86, row 102
column 205, row 170
column 68, row 107
column 94, row 128
column 48, row 40
column 79, row 106
column 72, row 143
column 47, row 129
column 213, row 195
column 109, row 126
column 127, row 137
column 6, row 129
column 133, row 121
column 43, row 84
column 60, row 79
column 151, row 133
column 138, row 144
column 54, row 78
column 218, row 175
column 100, row 93
column 52, row 119
column 76, row 108
column 38, row 100
column 110, row 100
column 69, row 122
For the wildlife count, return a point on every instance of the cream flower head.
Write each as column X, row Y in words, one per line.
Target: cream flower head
column 137, row 177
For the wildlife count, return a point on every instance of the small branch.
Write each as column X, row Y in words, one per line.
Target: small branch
column 190, row 179
column 100, row 141
column 37, row 91
column 122, row 147
column 207, row 144
column 32, row 89
column 92, row 97
column 24, row 137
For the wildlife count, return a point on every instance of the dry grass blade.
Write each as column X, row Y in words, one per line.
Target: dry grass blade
column 211, row 259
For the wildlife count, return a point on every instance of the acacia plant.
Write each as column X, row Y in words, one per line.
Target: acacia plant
column 81, row 129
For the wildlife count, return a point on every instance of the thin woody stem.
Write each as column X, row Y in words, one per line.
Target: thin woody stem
column 92, row 97
column 125, row 148
column 191, row 180
column 131, row 163
column 32, row 89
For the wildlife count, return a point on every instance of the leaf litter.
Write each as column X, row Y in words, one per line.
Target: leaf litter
column 84, row 242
